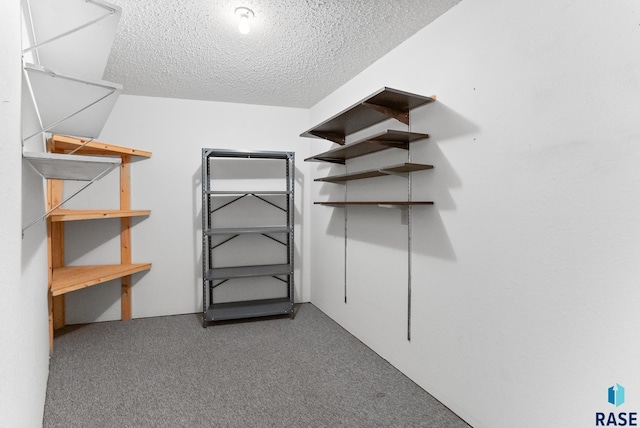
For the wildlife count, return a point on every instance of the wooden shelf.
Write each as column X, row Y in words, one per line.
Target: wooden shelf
column 71, row 278
column 73, row 215
column 390, row 204
column 65, row 279
column 403, row 169
column 381, row 105
column 65, row 144
column 385, row 140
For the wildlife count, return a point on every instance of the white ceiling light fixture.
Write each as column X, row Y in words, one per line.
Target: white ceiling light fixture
column 245, row 14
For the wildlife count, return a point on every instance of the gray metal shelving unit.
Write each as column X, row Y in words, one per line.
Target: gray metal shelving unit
column 215, row 272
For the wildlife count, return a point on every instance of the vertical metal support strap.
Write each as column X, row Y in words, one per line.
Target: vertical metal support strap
column 205, row 212
column 409, row 257
column 346, row 209
column 291, row 182
column 409, row 219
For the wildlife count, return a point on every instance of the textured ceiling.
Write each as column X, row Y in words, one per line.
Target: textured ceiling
column 298, row 51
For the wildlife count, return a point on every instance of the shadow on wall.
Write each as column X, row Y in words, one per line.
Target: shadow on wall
column 82, row 237
column 99, row 241
column 383, row 227
column 196, row 209
column 441, row 122
column 105, row 300
column 32, row 207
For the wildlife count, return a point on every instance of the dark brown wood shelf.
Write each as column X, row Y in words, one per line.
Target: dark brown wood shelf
column 381, row 105
column 392, row 204
column 385, row 140
column 404, row 168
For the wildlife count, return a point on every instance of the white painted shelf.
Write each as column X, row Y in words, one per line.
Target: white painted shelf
column 69, row 105
column 84, row 28
column 71, row 167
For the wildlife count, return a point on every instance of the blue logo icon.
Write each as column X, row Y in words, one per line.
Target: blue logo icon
column 616, row 395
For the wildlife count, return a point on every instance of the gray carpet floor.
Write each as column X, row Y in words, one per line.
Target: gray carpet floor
column 276, row 372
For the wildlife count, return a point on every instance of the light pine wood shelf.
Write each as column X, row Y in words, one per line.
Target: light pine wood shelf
column 65, row 279
column 72, row 278
column 65, row 144
column 73, row 215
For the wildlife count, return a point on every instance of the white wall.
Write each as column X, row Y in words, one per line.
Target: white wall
column 24, row 339
column 525, row 272
column 169, row 185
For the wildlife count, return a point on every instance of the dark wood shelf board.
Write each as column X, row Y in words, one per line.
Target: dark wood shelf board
column 382, row 141
column 340, row 179
column 398, row 204
column 381, row 105
column 404, row 168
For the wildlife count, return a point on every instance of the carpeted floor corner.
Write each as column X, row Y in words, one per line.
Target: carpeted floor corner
column 277, row 372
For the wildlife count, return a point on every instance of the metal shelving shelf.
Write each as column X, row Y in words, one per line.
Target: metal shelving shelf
column 243, row 230
column 247, row 192
column 214, row 275
column 248, row 271
column 247, row 309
